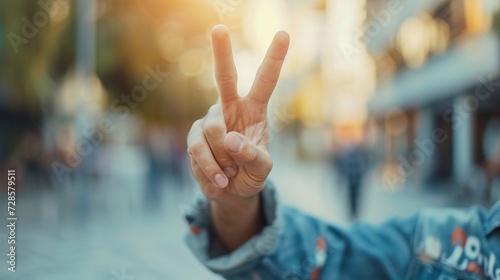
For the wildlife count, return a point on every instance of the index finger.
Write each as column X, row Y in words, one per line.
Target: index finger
column 269, row 70
column 225, row 71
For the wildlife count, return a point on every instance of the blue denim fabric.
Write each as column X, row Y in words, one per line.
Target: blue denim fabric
column 443, row 244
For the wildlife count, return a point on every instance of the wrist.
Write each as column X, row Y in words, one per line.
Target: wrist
column 235, row 208
column 236, row 221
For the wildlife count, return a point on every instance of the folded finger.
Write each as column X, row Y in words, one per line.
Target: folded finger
column 200, row 151
column 206, row 185
column 214, row 128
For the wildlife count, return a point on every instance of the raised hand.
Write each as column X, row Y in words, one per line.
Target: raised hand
column 228, row 147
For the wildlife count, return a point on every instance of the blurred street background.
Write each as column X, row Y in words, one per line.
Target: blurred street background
column 383, row 107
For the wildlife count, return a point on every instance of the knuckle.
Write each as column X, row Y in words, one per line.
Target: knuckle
column 211, row 168
column 252, row 155
column 268, row 164
column 216, row 108
column 193, row 132
column 276, row 58
column 226, row 77
column 267, row 80
column 225, row 161
column 196, row 124
column 212, row 127
column 196, row 149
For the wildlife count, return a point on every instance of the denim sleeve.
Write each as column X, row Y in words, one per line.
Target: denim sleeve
column 294, row 245
column 312, row 249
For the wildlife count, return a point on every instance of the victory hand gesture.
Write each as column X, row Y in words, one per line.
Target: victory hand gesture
column 228, row 148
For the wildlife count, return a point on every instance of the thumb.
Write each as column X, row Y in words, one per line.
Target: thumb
column 255, row 159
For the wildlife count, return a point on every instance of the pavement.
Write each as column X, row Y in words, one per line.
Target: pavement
column 99, row 229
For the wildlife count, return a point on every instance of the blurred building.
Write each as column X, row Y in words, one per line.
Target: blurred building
column 437, row 94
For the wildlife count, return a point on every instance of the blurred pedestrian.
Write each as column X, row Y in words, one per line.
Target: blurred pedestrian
column 492, row 163
column 352, row 165
column 158, row 142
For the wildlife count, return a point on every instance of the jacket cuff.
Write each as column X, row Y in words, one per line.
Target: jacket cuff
column 247, row 255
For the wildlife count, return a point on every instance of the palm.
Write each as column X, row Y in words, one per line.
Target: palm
column 249, row 118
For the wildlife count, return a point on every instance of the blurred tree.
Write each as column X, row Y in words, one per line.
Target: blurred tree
column 134, row 35
column 37, row 49
column 496, row 23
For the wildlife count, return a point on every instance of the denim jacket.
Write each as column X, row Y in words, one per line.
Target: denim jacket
column 443, row 244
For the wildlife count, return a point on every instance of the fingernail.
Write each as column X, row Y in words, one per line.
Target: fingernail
column 230, row 172
column 235, row 144
column 221, row 181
